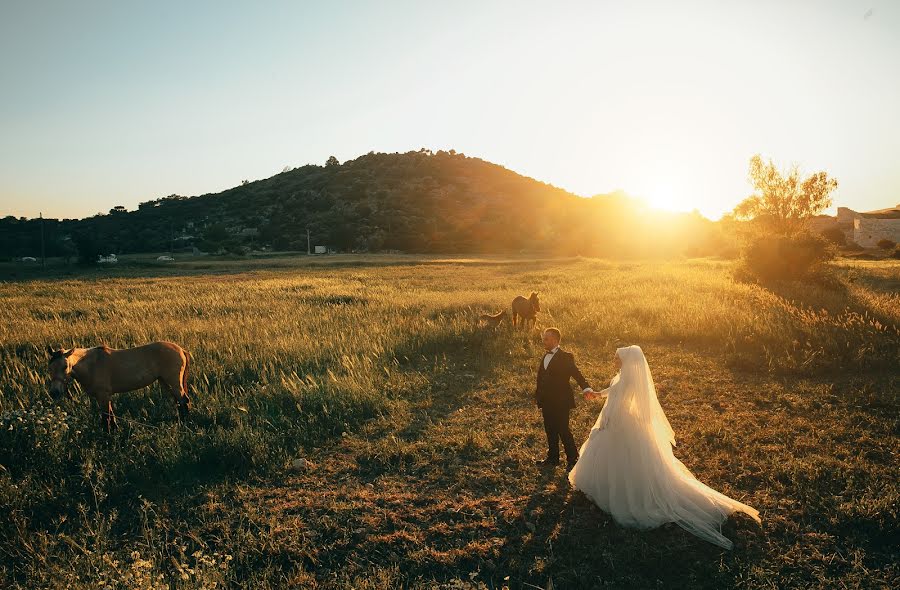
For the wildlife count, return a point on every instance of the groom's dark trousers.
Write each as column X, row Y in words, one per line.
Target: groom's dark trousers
column 555, row 398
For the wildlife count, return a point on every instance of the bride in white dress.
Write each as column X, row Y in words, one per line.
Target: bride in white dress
column 627, row 467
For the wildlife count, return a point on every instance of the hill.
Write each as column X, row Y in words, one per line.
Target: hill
column 418, row 202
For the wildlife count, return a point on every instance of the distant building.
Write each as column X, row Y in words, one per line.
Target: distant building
column 865, row 229
column 321, row 250
column 872, row 227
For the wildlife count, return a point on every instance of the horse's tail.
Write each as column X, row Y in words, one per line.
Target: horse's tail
column 184, row 374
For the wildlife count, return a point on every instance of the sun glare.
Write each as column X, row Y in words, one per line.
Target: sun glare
column 663, row 196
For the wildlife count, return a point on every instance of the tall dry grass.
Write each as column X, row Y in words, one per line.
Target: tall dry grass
column 290, row 359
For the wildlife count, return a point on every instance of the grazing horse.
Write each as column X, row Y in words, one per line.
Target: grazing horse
column 103, row 371
column 526, row 309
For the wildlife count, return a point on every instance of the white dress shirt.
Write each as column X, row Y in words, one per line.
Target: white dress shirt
column 549, row 356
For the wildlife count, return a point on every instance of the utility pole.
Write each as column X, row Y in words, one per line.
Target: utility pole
column 308, row 250
column 43, row 251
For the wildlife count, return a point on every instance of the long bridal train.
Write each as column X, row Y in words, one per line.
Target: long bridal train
column 627, row 467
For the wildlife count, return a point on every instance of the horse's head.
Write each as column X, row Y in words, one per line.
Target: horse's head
column 60, row 371
column 535, row 304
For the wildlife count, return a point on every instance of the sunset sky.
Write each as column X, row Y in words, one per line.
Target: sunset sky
column 114, row 103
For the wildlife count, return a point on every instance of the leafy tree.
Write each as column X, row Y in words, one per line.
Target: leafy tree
column 782, row 202
column 216, row 232
column 88, row 248
column 332, row 161
column 67, row 249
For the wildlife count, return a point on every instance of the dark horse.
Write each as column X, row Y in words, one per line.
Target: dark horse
column 103, row 371
column 526, row 309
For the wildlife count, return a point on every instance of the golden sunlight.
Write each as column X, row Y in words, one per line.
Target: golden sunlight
column 665, row 196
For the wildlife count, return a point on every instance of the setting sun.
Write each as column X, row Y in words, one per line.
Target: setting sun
column 663, row 196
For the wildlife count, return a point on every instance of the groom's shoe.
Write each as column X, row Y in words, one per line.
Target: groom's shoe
column 547, row 463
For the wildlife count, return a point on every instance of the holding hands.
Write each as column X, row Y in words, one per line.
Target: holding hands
column 590, row 394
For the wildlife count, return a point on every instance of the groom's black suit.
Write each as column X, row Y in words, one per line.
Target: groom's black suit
column 555, row 398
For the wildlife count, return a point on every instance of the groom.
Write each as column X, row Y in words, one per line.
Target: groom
column 555, row 398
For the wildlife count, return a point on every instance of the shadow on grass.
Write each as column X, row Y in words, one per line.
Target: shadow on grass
column 576, row 545
column 468, row 359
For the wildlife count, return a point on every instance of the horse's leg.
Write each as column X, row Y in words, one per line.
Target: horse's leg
column 107, row 418
column 184, row 405
column 112, row 416
column 179, row 395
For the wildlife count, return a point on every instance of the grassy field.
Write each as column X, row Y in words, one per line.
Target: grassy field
column 421, row 429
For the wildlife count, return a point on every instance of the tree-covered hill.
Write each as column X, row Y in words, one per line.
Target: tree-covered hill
column 422, row 202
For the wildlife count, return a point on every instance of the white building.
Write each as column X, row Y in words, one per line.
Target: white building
column 872, row 227
column 864, row 229
column 867, row 232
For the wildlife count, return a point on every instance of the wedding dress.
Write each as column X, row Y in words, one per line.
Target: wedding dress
column 627, row 467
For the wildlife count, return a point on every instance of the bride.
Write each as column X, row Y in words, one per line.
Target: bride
column 627, row 467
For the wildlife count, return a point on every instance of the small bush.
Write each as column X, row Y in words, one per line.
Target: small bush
column 799, row 257
column 886, row 244
column 896, row 253
column 835, row 235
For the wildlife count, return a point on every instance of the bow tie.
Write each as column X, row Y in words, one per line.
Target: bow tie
column 552, row 352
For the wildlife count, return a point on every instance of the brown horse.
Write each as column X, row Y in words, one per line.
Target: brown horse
column 103, row 371
column 526, row 309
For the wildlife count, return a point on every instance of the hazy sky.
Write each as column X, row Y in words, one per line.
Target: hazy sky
column 114, row 103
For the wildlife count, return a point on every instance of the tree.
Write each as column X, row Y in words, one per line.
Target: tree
column 332, row 161
column 88, row 248
column 781, row 202
column 215, row 237
column 68, row 249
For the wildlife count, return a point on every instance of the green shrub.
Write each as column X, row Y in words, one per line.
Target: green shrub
column 835, row 235
column 799, row 257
